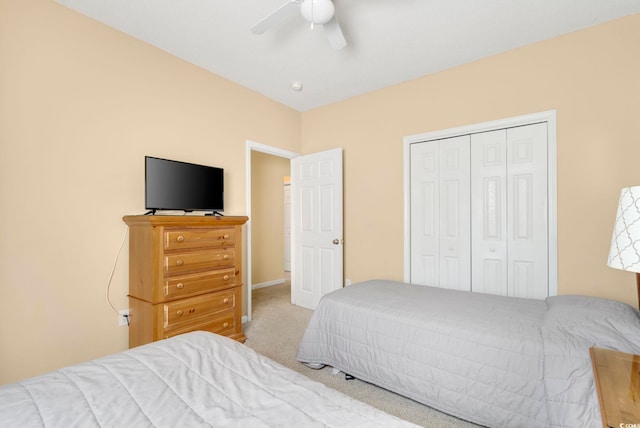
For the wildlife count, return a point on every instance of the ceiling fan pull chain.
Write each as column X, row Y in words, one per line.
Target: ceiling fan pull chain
column 312, row 2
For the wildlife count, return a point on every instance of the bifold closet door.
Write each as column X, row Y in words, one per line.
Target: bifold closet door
column 509, row 200
column 489, row 207
column 440, row 213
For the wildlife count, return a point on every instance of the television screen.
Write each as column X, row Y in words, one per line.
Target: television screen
column 173, row 185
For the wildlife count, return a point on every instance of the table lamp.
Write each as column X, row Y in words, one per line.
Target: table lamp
column 625, row 243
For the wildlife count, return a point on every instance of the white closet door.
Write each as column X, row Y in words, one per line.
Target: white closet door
column 440, row 213
column 527, row 226
column 425, row 219
column 489, row 207
column 455, row 214
column 509, row 204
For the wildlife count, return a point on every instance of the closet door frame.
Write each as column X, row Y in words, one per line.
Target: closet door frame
column 546, row 116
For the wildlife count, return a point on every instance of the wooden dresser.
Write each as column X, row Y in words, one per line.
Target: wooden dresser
column 185, row 274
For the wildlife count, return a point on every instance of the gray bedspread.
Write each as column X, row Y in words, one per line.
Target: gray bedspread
column 197, row 379
column 493, row 360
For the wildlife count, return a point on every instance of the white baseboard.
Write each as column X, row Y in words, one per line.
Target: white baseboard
column 268, row 283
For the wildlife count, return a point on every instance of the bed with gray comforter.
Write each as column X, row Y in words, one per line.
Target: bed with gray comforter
column 197, row 379
column 493, row 360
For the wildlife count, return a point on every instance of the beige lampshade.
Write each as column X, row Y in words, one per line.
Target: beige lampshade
column 625, row 243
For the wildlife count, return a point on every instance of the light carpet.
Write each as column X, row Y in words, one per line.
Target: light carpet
column 276, row 329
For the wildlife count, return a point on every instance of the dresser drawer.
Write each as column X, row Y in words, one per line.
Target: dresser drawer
column 193, row 308
column 222, row 324
column 194, row 261
column 176, row 239
column 190, row 285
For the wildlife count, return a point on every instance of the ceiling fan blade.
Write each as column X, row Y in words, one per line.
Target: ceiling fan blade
column 334, row 34
column 289, row 8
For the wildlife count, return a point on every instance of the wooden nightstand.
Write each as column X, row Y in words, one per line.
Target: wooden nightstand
column 617, row 377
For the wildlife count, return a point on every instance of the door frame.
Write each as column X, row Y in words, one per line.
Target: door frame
column 252, row 146
column 549, row 117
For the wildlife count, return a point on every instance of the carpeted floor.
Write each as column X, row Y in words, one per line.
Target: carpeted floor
column 276, row 329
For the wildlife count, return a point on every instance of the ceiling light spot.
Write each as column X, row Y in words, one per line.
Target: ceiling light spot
column 296, row 86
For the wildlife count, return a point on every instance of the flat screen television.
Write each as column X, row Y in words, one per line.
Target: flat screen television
column 174, row 185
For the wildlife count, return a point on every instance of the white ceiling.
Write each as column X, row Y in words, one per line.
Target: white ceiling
column 388, row 41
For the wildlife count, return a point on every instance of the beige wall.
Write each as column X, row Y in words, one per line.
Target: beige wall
column 267, row 217
column 590, row 77
column 80, row 106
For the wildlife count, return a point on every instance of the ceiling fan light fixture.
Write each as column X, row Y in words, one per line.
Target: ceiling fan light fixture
column 317, row 11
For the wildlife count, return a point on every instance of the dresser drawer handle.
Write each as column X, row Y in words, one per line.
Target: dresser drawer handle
column 225, row 257
column 226, row 277
column 225, row 236
column 180, row 312
column 179, row 262
column 226, row 300
column 225, row 325
column 180, row 286
column 180, row 238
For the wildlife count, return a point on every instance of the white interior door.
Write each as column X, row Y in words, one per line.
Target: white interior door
column 527, row 226
column 479, row 212
column 317, row 226
column 513, row 205
column 489, row 205
column 509, row 201
column 287, row 227
column 455, row 214
column 425, row 214
column 440, row 213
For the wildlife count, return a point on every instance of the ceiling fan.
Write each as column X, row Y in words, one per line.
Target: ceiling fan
column 316, row 12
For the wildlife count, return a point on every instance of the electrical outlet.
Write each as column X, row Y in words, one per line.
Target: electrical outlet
column 347, row 282
column 123, row 317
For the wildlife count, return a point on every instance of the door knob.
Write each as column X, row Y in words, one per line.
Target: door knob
column 337, row 241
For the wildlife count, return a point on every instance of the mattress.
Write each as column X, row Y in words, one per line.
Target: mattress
column 196, row 379
column 493, row 360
